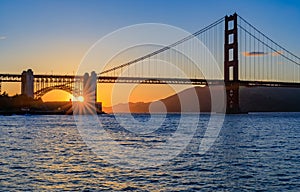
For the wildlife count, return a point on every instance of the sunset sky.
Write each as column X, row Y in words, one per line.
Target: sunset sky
column 52, row 36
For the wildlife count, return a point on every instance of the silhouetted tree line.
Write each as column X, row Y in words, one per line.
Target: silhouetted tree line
column 18, row 102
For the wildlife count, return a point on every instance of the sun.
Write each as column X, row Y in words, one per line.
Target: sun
column 79, row 98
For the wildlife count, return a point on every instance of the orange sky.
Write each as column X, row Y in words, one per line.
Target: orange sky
column 122, row 93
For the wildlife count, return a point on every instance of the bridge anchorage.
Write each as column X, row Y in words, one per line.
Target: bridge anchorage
column 247, row 57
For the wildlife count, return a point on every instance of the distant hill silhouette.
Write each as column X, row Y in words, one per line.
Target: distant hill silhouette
column 270, row 99
column 254, row 99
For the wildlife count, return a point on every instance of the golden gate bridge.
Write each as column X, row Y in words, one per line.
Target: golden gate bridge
column 245, row 55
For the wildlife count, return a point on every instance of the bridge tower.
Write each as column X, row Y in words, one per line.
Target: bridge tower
column 231, row 64
column 90, row 88
column 27, row 81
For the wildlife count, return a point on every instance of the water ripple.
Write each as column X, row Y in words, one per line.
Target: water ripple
column 255, row 152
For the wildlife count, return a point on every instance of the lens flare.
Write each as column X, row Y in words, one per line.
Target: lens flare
column 80, row 99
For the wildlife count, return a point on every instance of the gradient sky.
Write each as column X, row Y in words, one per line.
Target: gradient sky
column 52, row 36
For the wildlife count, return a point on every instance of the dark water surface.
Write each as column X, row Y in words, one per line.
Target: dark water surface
column 254, row 152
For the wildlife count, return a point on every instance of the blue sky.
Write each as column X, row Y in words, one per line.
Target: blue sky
column 52, row 36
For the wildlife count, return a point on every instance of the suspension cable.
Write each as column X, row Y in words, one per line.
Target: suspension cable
column 166, row 47
column 268, row 38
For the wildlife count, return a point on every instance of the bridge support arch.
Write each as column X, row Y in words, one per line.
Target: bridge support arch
column 231, row 65
column 27, row 83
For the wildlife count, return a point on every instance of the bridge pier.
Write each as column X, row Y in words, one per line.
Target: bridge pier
column 232, row 98
column 27, row 82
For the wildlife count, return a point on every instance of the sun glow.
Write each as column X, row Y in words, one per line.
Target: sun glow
column 57, row 95
column 79, row 98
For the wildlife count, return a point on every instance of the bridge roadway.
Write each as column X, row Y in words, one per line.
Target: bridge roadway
column 143, row 80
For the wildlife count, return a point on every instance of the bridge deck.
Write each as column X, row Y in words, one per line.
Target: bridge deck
column 144, row 80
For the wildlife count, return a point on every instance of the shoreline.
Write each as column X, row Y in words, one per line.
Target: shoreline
column 9, row 113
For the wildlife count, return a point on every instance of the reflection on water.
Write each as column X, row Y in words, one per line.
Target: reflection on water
column 252, row 152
